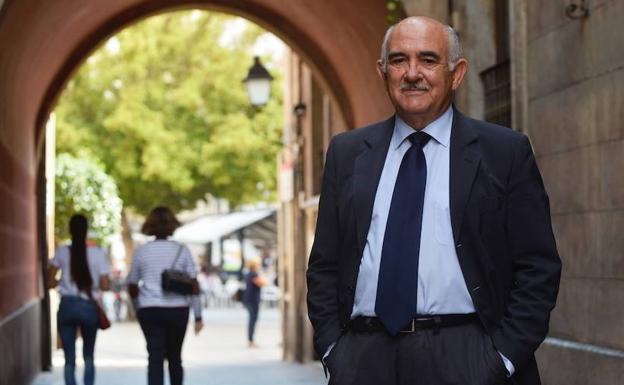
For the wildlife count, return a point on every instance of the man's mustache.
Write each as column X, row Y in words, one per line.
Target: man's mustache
column 414, row 86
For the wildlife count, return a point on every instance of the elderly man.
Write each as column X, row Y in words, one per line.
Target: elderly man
column 434, row 260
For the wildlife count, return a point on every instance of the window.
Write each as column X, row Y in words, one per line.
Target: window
column 497, row 79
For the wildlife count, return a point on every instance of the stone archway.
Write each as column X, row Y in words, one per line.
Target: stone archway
column 43, row 43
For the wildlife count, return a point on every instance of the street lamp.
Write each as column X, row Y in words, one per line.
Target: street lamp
column 258, row 83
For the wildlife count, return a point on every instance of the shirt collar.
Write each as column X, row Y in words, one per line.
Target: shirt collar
column 439, row 129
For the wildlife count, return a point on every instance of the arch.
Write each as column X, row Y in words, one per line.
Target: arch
column 43, row 43
column 339, row 42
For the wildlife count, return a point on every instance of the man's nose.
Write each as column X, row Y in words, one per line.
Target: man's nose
column 413, row 70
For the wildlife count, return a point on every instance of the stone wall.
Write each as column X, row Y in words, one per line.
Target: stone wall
column 575, row 116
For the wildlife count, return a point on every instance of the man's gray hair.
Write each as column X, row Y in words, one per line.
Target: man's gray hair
column 455, row 50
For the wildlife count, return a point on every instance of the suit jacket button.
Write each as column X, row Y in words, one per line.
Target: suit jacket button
column 458, row 245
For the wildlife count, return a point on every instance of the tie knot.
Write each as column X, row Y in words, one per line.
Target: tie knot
column 419, row 138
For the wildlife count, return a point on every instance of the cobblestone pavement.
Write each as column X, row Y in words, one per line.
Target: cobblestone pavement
column 217, row 356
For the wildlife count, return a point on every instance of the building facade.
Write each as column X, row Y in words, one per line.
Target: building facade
column 553, row 70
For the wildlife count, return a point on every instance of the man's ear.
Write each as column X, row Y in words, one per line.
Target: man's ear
column 461, row 67
column 380, row 70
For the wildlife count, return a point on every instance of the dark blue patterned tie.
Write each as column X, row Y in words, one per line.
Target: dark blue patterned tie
column 398, row 273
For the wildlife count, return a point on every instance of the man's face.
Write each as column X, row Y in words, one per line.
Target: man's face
column 418, row 80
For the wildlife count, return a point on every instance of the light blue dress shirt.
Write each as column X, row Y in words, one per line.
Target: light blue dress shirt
column 441, row 285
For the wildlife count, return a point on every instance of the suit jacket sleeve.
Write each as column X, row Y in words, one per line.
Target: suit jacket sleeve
column 535, row 262
column 322, row 274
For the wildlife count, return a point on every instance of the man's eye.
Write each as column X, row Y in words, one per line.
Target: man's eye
column 397, row 61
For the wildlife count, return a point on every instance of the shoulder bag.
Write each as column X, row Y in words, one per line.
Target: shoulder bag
column 103, row 322
column 176, row 281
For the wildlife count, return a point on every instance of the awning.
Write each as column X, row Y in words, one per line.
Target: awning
column 257, row 225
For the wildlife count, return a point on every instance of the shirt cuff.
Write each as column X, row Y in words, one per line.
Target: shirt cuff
column 329, row 349
column 196, row 305
column 508, row 365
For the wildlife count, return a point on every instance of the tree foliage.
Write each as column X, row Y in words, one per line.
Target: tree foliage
column 163, row 108
column 82, row 187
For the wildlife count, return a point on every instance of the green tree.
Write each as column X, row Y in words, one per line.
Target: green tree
column 163, row 108
column 82, row 187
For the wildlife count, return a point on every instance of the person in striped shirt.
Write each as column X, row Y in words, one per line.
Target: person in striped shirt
column 163, row 315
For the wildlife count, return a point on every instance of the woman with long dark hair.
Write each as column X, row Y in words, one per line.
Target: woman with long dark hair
column 84, row 272
column 163, row 315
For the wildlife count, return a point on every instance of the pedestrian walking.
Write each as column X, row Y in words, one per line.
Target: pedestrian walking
column 254, row 281
column 118, row 284
column 84, row 273
column 163, row 315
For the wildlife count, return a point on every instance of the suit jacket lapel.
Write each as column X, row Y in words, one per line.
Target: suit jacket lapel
column 464, row 164
column 367, row 171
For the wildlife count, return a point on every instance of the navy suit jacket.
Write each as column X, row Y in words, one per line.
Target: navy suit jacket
column 500, row 217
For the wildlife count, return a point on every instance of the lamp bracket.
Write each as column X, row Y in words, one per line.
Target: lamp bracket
column 577, row 11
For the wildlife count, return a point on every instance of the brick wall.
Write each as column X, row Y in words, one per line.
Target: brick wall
column 19, row 272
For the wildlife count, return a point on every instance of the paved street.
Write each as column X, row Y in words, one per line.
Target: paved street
column 218, row 356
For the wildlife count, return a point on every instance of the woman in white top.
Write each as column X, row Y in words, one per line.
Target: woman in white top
column 163, row 315
column 84, row 272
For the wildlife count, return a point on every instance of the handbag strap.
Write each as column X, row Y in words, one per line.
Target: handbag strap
column 177, row 256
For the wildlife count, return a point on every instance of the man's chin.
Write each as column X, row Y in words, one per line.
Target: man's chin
column 415, row 110
column 414, row 100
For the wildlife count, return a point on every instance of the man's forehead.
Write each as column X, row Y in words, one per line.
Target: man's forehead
column 422, row 21
column 420, row 35
column 420, row 28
